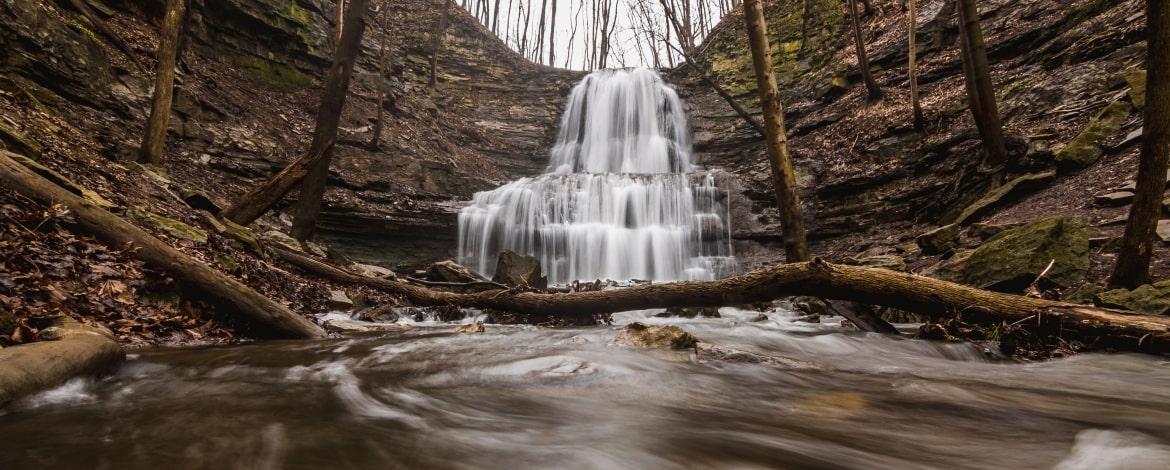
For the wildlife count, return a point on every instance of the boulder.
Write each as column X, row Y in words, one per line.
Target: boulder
column 1153, row 299
column 339, row 301
column 1010, row 261
column 450, row 271
column 1163, row 231
column 1083, row 150
column 370, row 270
column 1117, row 198
column 939, row 240
column 383, row 314
column 1137, row 87
column 514, row 269
column 283, row 240
column 1011, row 190
column 643, row 336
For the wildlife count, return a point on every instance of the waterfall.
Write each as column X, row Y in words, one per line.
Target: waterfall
column 618, row 200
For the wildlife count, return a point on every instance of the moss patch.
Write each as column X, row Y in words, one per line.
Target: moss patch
column 1083, row 150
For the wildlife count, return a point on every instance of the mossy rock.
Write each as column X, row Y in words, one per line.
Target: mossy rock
column 1011, row 260
column 1083, row 150
column 1152, row 299
column 1137, row 88
column 939, row 240
column 172, row 227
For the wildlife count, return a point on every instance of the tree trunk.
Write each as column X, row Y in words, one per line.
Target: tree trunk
column 496, row 18
column 931, row 297
column 873, row 91
column 33, row 367
column 980, row 92
column 117, row 232
column 264, row 196
column 552, row 36
column 328, row 118
column 340, row 24
column 539, row 55
column 919, row 120
column 783, row 178
column 436, row 42
column 155, row 136
column 1133, row 260
column 383, row 46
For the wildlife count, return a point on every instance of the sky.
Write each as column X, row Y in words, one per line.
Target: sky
column 631, row 43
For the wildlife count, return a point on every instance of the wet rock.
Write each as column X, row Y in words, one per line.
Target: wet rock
column 338, row 325
column 476, row 327
column 513, row 269
column 690, row 312
column 643, row 336
column 1083, row 150
column 339, row 301
column 382, row 314
column 1010, row 261
column 939, row 240
column 1153, row 299
column 450, row 271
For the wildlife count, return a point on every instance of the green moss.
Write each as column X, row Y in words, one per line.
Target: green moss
column 1083, row 150
column 278, row 76
column 83, row 29
column 172, row 227
column 298, row 13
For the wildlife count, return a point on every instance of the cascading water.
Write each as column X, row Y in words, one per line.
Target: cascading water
column 617, row 200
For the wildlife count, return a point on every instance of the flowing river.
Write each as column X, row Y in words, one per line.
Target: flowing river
column 517, row 397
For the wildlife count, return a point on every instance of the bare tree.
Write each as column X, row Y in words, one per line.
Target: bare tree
column 383, row 51
column 552, row 35
column 1133, row 259
column 312, row 167
column 874, row 92
column 340, row 22
column 437, row 41
column 919, row 120
column 154, row 137
column 783, row 178
column 980, row 93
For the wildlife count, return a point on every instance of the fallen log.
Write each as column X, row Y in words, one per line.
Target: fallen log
column 931, row 297
column 117, row 232
column 33, row 367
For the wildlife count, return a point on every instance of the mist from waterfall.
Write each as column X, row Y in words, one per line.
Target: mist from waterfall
column 617, row 200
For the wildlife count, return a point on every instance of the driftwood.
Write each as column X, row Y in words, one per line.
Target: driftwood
column 33, row 367
column 115, row 231
column 938, row 299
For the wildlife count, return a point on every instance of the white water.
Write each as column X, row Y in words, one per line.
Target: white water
column 616, row 201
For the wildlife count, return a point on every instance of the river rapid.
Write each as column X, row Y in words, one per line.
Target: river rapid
column 518, row 397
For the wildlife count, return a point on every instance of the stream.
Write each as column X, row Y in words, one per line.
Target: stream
column 520, row 397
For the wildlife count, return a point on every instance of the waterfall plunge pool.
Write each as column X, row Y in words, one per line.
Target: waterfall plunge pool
column 518, row 397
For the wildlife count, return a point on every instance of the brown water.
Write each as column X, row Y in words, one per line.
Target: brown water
column 528, row 398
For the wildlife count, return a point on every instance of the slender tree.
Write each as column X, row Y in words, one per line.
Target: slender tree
column 1133, row 259
column 552, row 35
column 437, row 41
column 312, row 167
column 164, row 84
column 783, row 178
column 873, row 91
column 496, row 18
column 383, row 50
column 980, row 93
column 915, row 103
column 328, row 118
column 340, row 22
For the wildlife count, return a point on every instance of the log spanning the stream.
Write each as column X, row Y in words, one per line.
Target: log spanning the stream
column 76, row 350
column 932, row 297
column 117, row 232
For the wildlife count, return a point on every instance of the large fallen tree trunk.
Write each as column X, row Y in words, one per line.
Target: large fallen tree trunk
column 33, row 367
column 938, row 299
column 117, row 232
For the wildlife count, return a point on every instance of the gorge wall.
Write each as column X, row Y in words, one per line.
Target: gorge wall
column 247, row 95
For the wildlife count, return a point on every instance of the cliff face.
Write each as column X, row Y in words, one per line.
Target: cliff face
column 251, row 74
column 246, row 99
column 866, row 177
